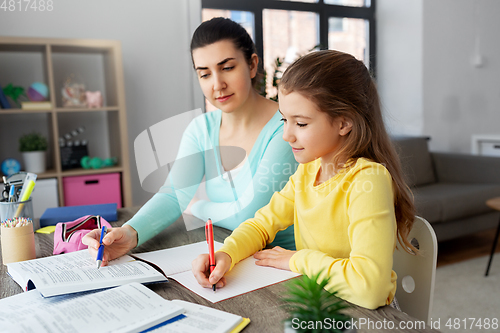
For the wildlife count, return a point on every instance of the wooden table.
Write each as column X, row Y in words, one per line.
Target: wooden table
column 262, row 306
column 494, row 204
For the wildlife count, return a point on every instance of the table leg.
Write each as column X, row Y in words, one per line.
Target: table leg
column 493, row 249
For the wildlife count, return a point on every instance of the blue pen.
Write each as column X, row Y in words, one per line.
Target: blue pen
column 100, row 252
column 11, row 194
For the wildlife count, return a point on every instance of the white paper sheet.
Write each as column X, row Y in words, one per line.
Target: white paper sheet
column 177, row 259
column 245, row 276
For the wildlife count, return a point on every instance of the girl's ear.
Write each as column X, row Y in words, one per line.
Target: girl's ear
column 345, row 126
column 254, row 65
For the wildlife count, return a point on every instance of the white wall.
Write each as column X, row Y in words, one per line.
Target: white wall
column 155, row 37
column 428, row 83
column 460, row 99
column 399, row 64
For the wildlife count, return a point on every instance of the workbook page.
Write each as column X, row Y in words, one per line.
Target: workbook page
column 76, row 272
column 63, row 262
column 129, row 308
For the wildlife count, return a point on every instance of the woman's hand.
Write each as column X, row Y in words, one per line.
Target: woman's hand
column 117, row 242
column 276, row 257
column 201, row 269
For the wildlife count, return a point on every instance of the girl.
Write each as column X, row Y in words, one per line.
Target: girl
column 226, row 63
column 347, row 200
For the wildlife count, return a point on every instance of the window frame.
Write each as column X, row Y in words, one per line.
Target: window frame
column 323, row 10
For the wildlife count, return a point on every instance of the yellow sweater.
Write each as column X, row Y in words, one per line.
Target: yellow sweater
column 345, row 227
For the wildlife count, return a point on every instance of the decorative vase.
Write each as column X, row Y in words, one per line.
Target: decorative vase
column 34, row 161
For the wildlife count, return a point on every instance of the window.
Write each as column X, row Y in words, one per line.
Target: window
column 287, row 29
column 349, row 35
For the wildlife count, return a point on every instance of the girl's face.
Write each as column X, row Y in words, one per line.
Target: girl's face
column 224, row 74
column 310, row 132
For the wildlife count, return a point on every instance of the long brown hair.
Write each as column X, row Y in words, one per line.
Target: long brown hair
column 341, row 85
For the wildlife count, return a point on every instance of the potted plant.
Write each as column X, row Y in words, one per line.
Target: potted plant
column 312, row 308
column 33, row 146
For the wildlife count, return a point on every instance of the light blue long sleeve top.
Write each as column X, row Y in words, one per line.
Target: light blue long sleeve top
column 232, row 201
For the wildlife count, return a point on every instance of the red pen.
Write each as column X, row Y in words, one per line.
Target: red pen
column 209, row 235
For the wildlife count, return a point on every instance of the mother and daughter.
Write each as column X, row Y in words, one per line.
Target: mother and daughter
column 347, row 202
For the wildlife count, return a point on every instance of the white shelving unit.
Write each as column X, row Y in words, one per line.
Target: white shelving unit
column 98, row 63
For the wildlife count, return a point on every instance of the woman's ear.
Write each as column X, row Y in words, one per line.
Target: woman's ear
column 345, row 126
column 254, row 65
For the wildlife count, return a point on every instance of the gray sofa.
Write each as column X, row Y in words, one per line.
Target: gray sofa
column 450, row 189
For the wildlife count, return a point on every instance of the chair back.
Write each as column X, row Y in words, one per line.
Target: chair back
column 416, row 274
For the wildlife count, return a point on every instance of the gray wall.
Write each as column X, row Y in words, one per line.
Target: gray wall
column 461, row 99
column 428, row 82
column 155, row 36
column 399, row 64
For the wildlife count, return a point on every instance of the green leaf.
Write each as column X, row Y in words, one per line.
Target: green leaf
column 307, row 300
column 32, row 142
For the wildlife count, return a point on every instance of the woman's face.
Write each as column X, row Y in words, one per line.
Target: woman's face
column 224, row 74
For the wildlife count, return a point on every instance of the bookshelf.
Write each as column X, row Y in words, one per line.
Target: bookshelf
column 98, row 63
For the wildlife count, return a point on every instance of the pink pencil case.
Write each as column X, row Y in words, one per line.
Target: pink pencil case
column 68, row 235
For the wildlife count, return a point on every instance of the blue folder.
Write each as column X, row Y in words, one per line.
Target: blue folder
column 4, row 103
column 52, row 216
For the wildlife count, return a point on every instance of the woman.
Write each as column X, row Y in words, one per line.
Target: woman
column 226, row 64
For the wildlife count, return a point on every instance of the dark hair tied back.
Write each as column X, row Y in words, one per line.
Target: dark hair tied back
column 220, row 28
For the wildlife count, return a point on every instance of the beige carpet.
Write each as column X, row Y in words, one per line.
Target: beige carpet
column 463, row 292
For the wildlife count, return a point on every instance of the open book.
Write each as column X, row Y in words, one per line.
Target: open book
column 76, row 271
column 129, row 308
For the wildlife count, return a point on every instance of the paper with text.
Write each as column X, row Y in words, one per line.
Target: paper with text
column 76, row 271
column 129, row 308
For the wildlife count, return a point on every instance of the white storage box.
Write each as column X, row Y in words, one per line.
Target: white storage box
column 44, row 196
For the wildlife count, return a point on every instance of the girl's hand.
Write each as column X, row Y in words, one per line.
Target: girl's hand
column 276, row 257
column 117, row 242
column 201, row 269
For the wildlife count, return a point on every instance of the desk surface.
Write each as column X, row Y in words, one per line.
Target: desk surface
column 262, row 306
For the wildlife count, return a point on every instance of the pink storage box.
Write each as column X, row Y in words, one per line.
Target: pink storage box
column 92, row 190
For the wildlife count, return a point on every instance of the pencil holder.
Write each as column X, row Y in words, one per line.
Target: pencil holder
column 8, row 210
column 18, row 243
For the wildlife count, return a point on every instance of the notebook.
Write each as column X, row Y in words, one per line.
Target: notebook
column 202, row 319
column 245, row 276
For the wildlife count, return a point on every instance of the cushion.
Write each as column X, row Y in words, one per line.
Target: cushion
column 443, row 202
column 415, row 159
